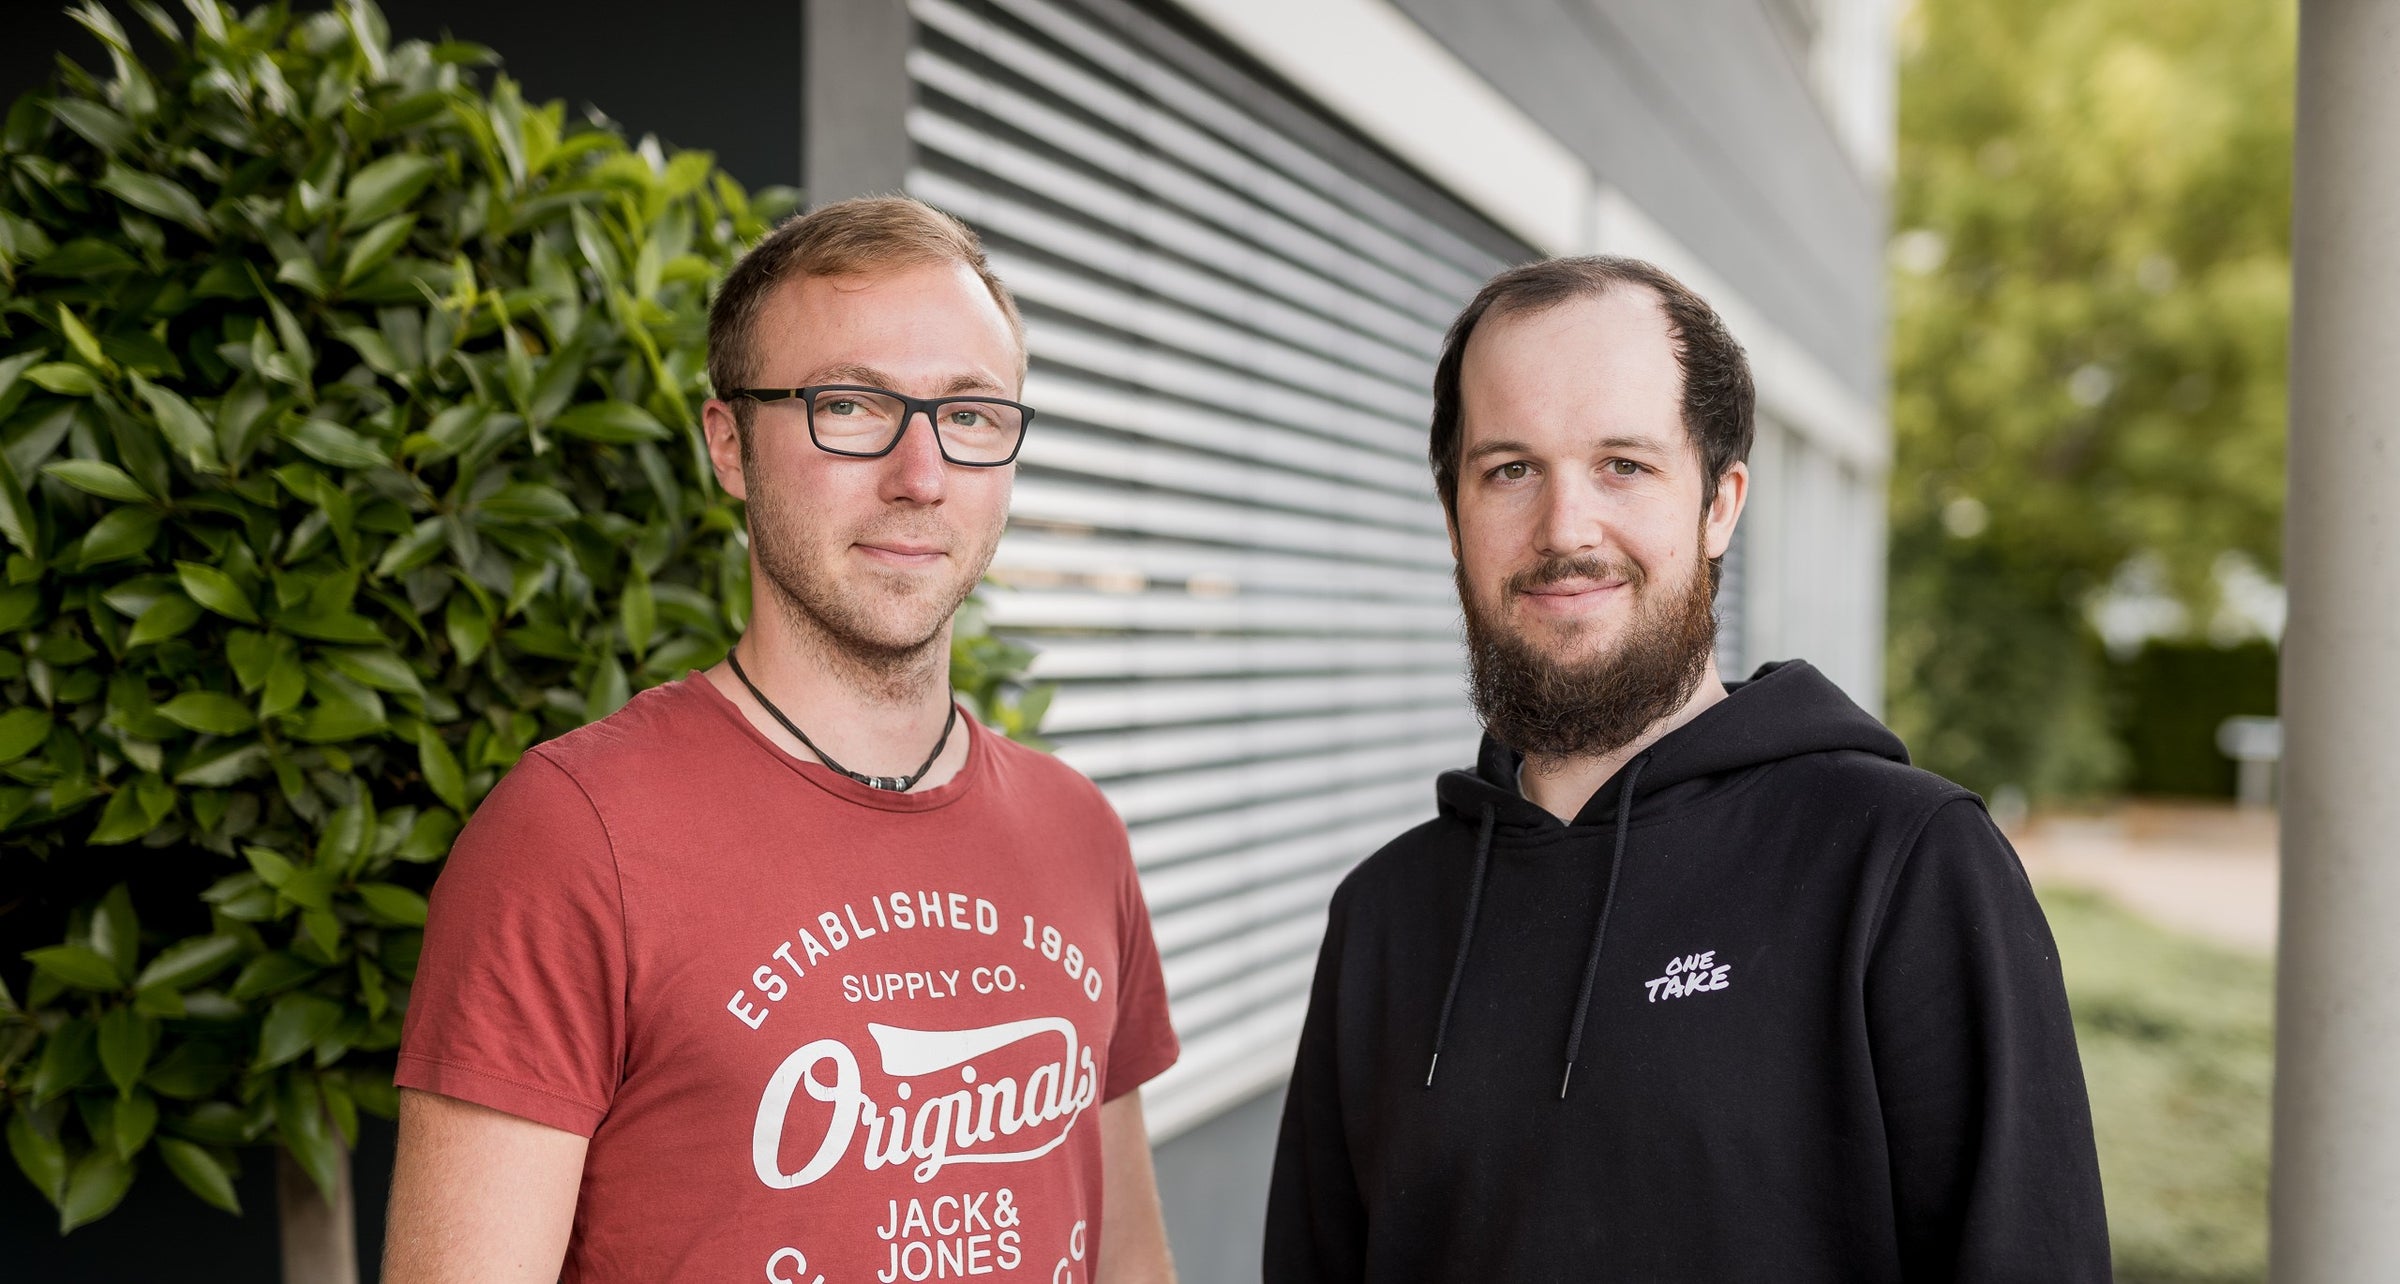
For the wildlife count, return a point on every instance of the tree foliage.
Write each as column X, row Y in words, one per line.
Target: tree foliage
column 348, row 447
column 2090, row 292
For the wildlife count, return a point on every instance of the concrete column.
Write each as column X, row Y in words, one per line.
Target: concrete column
column 2336, row 1200
column 855, row 96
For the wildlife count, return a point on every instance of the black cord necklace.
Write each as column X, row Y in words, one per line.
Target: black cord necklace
column 894, row 784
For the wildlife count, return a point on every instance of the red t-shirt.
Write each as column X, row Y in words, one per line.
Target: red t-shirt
column 814, row 1030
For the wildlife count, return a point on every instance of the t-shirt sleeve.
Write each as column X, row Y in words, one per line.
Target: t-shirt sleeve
column 519, row 998
column 1144, row 1043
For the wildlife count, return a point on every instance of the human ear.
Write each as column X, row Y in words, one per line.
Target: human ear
column 724, row 435
column 1725, row 511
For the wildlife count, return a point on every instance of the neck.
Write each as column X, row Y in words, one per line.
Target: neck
column 1562, row 784
column 874, row 714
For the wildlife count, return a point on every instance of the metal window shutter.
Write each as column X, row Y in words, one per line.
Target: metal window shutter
column 1224, row 538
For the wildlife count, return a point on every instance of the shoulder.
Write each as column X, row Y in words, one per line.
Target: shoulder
column 1893, row 797
column 1040, row 779
column 658, row 726
column 1402, row 867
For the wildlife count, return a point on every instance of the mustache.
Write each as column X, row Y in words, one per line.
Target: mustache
column 1556, row 570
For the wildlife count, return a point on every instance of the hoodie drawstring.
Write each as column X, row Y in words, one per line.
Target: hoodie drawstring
column 1466, row 934
column 1608, row 901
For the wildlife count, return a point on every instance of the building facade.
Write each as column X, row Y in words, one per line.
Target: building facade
column 1238, row 229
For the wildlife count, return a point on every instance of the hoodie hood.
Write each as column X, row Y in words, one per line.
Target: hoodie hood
column 1786, row 709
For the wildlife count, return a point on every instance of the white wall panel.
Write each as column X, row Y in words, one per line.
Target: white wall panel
column 1224, row 537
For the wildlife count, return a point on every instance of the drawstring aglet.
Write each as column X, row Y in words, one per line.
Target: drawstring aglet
column 1429, row 1069
column 1564, row 1080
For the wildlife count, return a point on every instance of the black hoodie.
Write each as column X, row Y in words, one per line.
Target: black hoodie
column 1814, row 1015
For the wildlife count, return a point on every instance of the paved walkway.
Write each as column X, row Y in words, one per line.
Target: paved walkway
column 2196, row 867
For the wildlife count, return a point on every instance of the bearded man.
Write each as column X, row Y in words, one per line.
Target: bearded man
column 1688, row 980
column 791, row 970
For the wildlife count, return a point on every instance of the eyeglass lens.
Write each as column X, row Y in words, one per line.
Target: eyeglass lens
column 855, row 422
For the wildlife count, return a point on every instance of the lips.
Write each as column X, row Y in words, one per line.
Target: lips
column 903, row 552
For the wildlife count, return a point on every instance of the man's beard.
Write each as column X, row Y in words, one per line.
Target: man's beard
column 1545, row 706
column 857, row 625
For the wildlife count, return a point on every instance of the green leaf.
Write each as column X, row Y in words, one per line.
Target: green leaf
column 189, row 962
column 182, row 426
column 610, row 690
column 222, row 765
column 16, row 515
column 122, row 533
column 637, row 611
column 205, row 1174
column 136, row 1119
column 67, row 1060
column 293, row 1025
column 300, row 1119
column 441, row 770
column 378, row 667
column 168, row 617
column 331, row 443
column 420, row 546
column 126, row 1040
column 64, row 378
column 393, row 904
column 116, row 932
column 377, row 244
column 527, row 502
column 161, row 196
column 80, row 341
column 93, row 477
column 269, row 973
column 615, row 422
column 40, row 1155
column 98, row 123
column 336, row 626
column 121, row 821
column 98, row 1182
column 80, row 966
column 212, row 712
column 22, row 730
column 217, row 591
column 383, row 188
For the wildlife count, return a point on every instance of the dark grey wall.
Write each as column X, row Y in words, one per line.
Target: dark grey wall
column 722, row 75
column 1701, row 112
column 1212, row 1182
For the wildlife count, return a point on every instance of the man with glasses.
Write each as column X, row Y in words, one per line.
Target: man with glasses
column 790, row 970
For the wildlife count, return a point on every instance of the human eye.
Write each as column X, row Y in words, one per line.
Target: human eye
column 838, row 406
column 1626, row 467
column 1513, row 470
column 970, row 417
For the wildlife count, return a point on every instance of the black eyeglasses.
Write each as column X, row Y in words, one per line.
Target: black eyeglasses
column 866, row 423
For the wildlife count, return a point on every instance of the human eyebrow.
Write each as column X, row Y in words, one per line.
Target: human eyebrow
column 1500, row 446
column 1635, row 443
column 869, row 376
column 848, row 372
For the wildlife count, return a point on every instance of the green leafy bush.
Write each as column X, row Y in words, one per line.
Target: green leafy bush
column 348, row 447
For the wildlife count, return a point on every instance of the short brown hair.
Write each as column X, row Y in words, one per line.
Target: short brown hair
column 1720, row 407
column 842, row 239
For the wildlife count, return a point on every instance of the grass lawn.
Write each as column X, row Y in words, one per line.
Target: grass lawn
column 2178, row 1049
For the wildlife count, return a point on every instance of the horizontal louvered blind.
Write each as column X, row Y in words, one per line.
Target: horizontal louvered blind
column 1224, row 539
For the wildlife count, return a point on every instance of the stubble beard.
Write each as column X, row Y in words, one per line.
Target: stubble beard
column 852, row 630
column 1547, row 705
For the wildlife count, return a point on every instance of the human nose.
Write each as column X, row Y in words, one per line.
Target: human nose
column 1573, row 520
column 915, row 471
